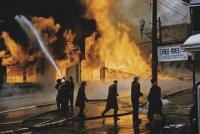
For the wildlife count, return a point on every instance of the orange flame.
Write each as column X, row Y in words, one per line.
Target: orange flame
column 114, row 50
column 17, row 54
column 21, row 75
column 47, row 28
column 15, row 59
column 3, row 54
column 72, row 53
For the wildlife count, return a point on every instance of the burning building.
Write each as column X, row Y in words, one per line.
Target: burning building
column 111, row 49
column 20, row 66
column 105, row 53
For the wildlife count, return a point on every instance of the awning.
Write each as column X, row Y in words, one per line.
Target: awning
column 192, row 43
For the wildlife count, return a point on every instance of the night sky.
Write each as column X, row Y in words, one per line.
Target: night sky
column 61, row 9
column 68, row 13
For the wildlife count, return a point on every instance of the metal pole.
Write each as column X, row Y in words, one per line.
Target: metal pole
column 154, row 41
column 194, row 75
column 160, row 38
column 160, row 31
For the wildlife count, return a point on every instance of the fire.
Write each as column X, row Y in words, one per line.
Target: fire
column 114, row 49
column 17, row 54
column 88, row 73
column 17, row 61
column 72, row 53
column 21, row 75
column 47, row 28
column 3, row 54
column 71, row 50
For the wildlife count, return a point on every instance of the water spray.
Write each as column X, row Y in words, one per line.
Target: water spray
column 26, row 24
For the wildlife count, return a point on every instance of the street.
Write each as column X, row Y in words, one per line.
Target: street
column 176, row 109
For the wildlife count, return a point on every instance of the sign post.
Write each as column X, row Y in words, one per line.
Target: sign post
column 171, row 53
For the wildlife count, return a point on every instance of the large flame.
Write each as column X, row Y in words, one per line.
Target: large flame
column 71, row 49
column 16, row 59
column 113, row 50
column 72, row 53
column 17, row 54
column 47, row 28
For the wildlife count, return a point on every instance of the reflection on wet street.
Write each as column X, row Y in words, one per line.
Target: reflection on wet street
column 176, row 109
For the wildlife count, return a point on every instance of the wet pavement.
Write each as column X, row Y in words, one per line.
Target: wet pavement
column 176, row 108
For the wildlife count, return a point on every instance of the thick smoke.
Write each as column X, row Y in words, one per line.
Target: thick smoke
column 171, row 12
column 99, row 89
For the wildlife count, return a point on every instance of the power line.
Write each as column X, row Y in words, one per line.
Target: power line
column 175, row 5
column 172, row 9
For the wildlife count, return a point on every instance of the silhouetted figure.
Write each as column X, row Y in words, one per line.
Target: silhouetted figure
column 112, row 100
column 71, row 93
column 58, row 97
column 155, row 102
column 64, row 93
column 135, row 96
column 81, row 99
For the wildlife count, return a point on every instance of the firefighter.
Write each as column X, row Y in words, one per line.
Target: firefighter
column 135, row 96
column 112, row 100
column 71, row 93
column 81, row 99
column 64, row 95
column 58, row 98
column 155, row 102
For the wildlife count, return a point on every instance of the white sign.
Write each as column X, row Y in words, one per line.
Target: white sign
column 171, row 53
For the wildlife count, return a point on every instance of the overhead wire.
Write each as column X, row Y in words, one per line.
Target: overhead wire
column 175, row 5
column 164, row 4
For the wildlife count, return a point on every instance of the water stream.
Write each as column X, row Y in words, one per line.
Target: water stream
column 27, row 26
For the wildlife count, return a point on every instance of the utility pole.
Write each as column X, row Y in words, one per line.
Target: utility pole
column 154, row 41
column 160, row 32
column 160, row 38
column 194, row 74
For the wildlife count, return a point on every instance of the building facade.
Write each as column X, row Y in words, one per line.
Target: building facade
column 195, row 15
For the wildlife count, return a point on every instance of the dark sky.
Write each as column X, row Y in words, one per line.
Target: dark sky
column 59, row 8
column 68, row 13
column 65, row 12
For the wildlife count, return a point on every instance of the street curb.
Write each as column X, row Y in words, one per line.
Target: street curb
column 175, row 93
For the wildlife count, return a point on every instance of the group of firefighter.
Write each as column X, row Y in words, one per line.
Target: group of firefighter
column 66, row 92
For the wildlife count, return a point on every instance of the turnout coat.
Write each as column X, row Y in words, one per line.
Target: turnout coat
column 112, row 98
column 81, row 97
column 71, row 89
column 154, row 98
column 57, row 87
column 135, row 92
column 63, row 92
